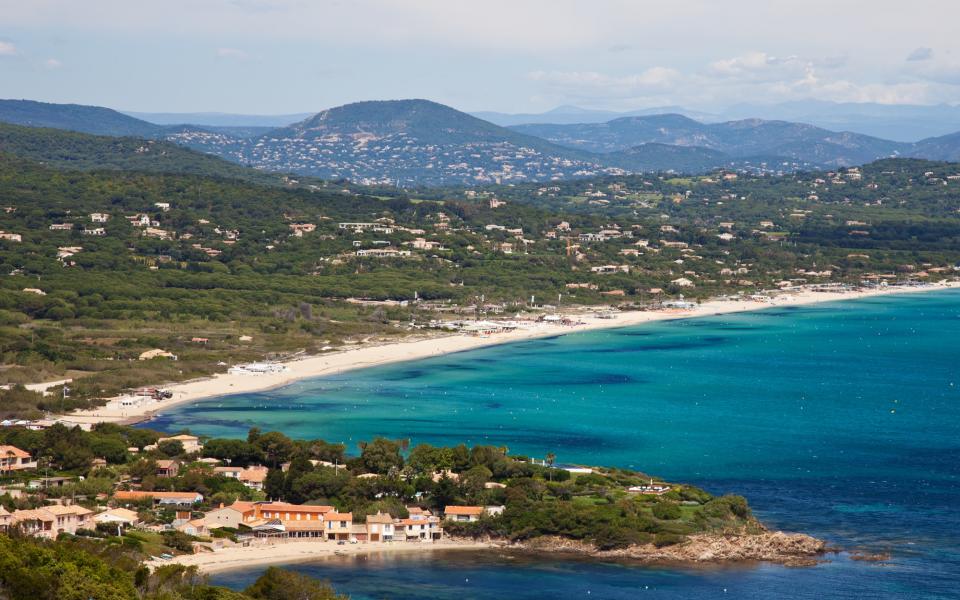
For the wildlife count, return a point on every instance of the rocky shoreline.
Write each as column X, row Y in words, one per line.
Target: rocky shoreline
column 788, row 549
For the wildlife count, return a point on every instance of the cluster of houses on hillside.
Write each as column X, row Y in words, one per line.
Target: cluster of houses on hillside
column 260, row 519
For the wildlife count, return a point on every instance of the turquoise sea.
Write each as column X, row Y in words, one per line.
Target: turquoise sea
column 841, row 420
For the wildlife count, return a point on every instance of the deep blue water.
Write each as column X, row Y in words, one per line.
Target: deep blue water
column 840, row 420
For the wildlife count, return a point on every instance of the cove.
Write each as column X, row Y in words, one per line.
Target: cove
column 841, row 420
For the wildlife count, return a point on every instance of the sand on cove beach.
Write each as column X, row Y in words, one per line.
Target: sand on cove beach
column 298, row 551
column 370, row 355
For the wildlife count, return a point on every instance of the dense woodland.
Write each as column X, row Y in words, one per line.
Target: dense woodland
column 215, row 257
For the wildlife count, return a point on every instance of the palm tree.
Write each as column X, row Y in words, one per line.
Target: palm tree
column 551, row 458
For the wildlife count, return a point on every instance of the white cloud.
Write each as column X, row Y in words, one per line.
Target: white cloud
column 231, row 53
column 920, row 54
column 52, row 63
column 8, row 49
column 760, row 66
column 592, row 83
column 755, row 76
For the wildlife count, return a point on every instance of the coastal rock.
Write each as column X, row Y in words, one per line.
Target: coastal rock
column 790, row 549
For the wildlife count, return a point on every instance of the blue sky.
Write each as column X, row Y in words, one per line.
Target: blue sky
column 285, row 56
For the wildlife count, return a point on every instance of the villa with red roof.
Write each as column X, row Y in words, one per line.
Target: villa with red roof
column 15, row 459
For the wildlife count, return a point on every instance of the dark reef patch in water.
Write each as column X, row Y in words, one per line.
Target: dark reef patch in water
column 405, row 375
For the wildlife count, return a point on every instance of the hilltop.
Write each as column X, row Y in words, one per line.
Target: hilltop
column 401, row 142
column 74, row 117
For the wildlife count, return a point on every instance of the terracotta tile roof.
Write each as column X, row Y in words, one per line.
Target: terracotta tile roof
column 273, row 508
column 13, row 450
column 120, row 513
column 287, row 507
column 253, row 475
column 379, row 518
column 57, row 509
column 141, row 495
column 38, row 514
column 463, row 510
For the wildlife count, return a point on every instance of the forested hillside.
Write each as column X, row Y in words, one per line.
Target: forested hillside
column 74, row 117
column 78, row 151
column 98, row 267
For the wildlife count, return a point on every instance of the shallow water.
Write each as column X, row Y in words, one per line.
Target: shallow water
column 841, row 420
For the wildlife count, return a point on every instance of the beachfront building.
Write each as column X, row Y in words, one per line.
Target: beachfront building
column 339, row 525
column 14, row 459
column 224, row 516
column 281, row 519
column 194, row 527
column 463, row 514
column 380, row 528
column 425, row 529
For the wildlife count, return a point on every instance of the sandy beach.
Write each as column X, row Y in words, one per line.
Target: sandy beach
column 362, row 356
column 232, row 558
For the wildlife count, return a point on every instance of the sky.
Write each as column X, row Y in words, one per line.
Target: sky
column 292, row 56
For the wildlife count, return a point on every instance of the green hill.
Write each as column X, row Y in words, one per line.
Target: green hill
column 74, row 117
column 79, row 151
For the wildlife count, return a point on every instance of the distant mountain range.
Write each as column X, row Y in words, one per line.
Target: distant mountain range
column 419, row 142
column 898, row 122
column 735, row 139
column 570, row 115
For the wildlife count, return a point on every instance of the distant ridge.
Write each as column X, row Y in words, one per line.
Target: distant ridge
column 417, row 142
column 74, row 117
column 217, row 119
column 738, row 139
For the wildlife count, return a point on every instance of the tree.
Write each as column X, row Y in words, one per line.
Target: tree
column 170, row 448
column 113, row 449
column 277, row 584
column 473, row 480
column 380, row 455
column 551, row 458
column 444, row 493
column 299, row 467
column 273, row 485
column 322, row 450
column 142, row 468
column 276, row 447
column 235, row 452
column 320, row 483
